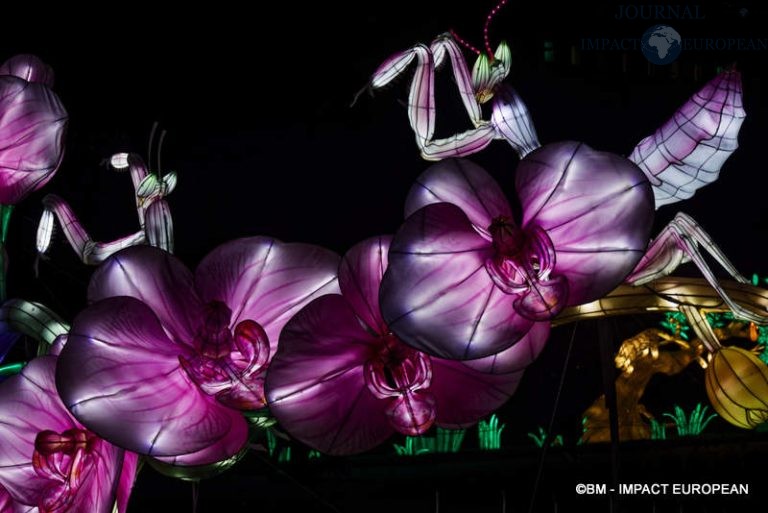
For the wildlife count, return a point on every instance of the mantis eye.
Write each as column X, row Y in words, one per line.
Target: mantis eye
column 488, row 73
column 503, row 57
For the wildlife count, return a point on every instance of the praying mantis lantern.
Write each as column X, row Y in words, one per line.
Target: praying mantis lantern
column 467, row 280
column 155, row 220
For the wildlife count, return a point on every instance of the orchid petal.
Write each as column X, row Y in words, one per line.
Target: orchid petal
column 29, row 68
column 31, row 405
column 436, row 294
column 464, row 184
column 517, row 357
column 316, row 386
column 266, row 280
column 128, row 473
column 32, row 125
column 159, row 280
column 116, row 468
column 120, row 375
column 360, row 274
column 6, row 502
column 597, row 209
column 464, row 395
column 213, row 453
column 195, row 472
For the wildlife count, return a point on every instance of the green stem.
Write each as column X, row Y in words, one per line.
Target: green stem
column 11, row 369
column 5, row 218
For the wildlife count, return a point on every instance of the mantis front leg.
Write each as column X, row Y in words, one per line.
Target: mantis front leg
column 510, row 119
column 679, row 242
column 156, row 223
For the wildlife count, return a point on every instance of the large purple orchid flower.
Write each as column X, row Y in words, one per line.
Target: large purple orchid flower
column 163, row 359
column 50, row 463
column 342, row 383
column 466, row 280
column 32, row 126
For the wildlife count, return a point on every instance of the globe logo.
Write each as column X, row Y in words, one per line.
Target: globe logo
column 661, row 44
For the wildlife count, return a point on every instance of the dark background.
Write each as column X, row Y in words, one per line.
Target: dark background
column 256, row 104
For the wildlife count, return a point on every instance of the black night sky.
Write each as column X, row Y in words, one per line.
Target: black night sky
column 256, row 99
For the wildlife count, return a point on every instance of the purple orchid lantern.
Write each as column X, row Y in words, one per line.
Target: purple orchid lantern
column 466, row 280
column 342, row 383
column 48, row 461
column 163, row 360
column 32, row 126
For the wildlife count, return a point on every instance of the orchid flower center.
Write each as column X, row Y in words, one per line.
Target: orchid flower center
column 522, row 265
column 402, row 376
column 65, row 459
column 229, row 364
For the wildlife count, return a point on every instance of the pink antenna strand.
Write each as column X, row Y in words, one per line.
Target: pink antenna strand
column 488, row 20
column 463, row 43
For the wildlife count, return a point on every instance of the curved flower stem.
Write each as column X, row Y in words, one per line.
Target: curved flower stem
column 32, row 319
column 11, row 369
column 5, row 218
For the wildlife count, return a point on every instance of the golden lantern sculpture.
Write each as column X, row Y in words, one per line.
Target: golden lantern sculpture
column 736, row 379
column 737, row 386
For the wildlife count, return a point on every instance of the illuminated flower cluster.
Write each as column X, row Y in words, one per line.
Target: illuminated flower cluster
column 163, row 360
column 433, row 326
column 342, row 382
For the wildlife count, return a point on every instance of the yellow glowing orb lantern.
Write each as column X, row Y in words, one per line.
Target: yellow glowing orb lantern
column 737, row 386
